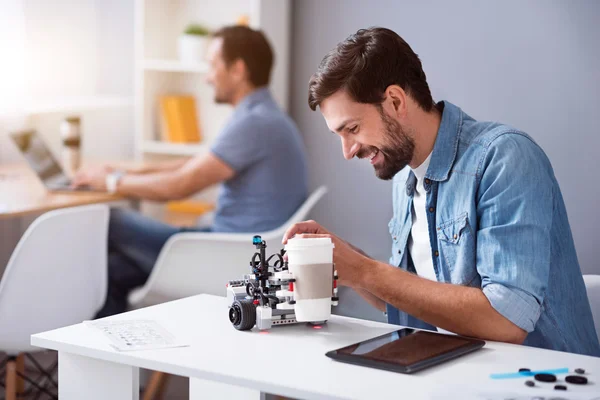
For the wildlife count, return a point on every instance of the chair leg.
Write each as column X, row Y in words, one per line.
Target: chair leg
column 11, row 379
column 156, row 386
column 20, row 370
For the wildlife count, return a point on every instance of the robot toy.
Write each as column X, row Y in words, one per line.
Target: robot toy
column 265, row 297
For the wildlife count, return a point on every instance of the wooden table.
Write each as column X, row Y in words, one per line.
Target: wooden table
column 22, row 193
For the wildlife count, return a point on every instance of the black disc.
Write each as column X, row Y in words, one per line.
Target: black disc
column 530, row 383
column 234, row 315
column 242, row 314
column 545, row 377
column 560, row 387
column 577, row 380
column 524, row 370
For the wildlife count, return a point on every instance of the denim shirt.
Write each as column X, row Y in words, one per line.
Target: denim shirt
column 497, row 221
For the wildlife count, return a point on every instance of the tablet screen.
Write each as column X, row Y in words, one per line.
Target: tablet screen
column 407, row 349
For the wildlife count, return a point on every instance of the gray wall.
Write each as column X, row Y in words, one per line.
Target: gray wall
column 532, row 64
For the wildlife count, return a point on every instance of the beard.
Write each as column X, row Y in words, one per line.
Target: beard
column 220, row 99
column 397, row 151
column 222, row 94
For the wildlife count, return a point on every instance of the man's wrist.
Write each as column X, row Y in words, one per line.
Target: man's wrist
column 113, row 179
column 369, row 270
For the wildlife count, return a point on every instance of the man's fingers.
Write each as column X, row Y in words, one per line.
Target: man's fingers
column 79, row 180
column 76, row 181
column 301, row 227
column 312, row 235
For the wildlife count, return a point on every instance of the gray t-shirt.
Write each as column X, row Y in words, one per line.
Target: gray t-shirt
column 263, row 145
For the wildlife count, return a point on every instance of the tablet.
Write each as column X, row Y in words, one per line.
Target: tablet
column 406, row 350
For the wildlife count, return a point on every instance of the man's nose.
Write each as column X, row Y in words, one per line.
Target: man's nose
column 349, row 148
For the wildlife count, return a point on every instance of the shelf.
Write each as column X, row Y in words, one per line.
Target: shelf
column 77, row 104
column 174, row 66
column 178, row 149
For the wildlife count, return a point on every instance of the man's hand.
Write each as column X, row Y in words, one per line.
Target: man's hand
column 94, row 177
column 304, row 227
column 349, row 263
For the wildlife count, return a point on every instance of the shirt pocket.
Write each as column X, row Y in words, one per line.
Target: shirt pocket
column 457, row 250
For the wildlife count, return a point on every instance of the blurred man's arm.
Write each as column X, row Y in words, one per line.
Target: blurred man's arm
column 164, row 166
column 193, row 176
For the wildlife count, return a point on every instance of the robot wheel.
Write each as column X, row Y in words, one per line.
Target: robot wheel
column 242, row 315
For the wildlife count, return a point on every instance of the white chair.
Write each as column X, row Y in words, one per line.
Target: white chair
column 56, row 276
column 592, row 286
column 194, row 263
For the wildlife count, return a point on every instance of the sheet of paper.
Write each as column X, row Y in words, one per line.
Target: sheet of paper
column 131, row 335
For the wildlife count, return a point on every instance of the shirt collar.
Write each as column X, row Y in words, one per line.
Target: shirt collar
column 445, row 147
column 446, row 143
column 259, row 95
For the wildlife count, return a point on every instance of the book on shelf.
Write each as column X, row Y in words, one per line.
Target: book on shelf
column 179, row 120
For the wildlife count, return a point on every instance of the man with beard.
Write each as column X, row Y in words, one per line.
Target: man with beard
column 258, row 158
column 481, row 241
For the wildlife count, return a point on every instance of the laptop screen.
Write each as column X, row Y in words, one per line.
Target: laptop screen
column 40, row 158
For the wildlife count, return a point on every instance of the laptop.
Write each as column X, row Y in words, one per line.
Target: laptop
column 43, row 163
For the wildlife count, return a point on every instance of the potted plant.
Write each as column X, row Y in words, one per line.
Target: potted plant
column 192, row 43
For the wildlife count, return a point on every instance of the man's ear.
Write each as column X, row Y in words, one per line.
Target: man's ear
column 238, row 70
column 396, row 96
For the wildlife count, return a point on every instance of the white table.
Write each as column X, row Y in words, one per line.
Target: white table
column 287, row 361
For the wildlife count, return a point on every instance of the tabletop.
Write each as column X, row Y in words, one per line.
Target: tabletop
column 290, row 360
column 22, row 193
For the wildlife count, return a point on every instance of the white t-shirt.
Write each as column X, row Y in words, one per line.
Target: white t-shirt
column 418, row 241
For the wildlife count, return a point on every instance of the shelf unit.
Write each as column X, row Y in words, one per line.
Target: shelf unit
column 69, row 105
column 174, row 66
column 158, row 71
column 157, row 26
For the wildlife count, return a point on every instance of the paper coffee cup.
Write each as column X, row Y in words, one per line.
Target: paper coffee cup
column 310, row 261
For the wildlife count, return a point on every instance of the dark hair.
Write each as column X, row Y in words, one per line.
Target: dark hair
column 252, row 47
column 365, row 64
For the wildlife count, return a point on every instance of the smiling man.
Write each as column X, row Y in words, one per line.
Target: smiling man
column 481, row 241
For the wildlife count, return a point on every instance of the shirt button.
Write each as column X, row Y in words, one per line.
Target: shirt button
column 394, row 238
column 455, row 236
column 399, row 251
column 431, row 209
column 427, row 181
column 437, row 253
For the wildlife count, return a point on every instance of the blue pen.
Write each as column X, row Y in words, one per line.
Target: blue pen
column 512, row 375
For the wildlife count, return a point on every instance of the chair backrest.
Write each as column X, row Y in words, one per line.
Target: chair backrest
column 56, row 276
column 592, row 286
column 194, row 263
column 300, row 215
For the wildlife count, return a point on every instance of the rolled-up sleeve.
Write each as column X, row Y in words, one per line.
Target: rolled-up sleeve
column 516, row 305
column 514, row 212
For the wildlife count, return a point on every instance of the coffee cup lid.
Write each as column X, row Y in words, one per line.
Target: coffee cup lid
column 301, row 243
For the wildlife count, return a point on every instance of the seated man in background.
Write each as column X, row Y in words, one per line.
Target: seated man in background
column 258, row 158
